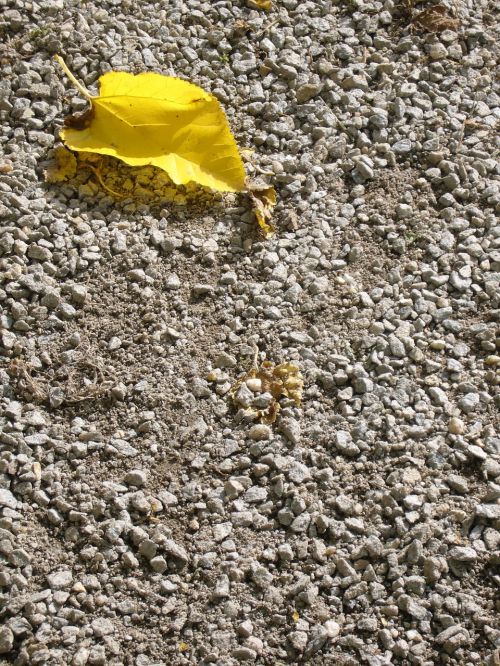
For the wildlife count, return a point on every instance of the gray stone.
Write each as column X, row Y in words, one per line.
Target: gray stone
column 60, row 580
column 176, row 552
column 102, row 627
column 488, row 511
column 6, row 640
column 136, row 477
column 243, row 653
column 300, row 523
column 463, row 554
column 402, row 147
column 307, row 91
column 469, row 403
column 255, row 494
column 158, row 564
column 7, row 499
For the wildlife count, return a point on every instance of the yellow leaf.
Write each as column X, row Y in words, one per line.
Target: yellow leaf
column 183, row 647
column 62, row 168
column 263, row 198
column 295, row 616
column 159, row 120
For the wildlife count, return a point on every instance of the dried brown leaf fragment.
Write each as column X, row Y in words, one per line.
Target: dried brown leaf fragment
column 263, row 198
column 436, row 19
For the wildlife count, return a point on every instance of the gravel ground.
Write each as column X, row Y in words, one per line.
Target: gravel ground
column 143, row 518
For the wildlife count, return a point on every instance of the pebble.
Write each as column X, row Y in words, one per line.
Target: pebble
column 469, row 402
column 488, row 511
column 244, row 654
column 136, row 477
column 7, row 499
column 456, row 426
column 458, row 483
column 6, row 640
column 60, row 580
column 158, row 564
column 463, row 554
column 259, row 432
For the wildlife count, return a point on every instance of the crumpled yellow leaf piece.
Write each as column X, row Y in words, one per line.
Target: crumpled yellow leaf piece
column 260, row 4
column 63, row 166
column 281, row 381
column 158, row 120
column 263, row 198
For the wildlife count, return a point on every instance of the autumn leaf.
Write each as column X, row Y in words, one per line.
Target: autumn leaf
column 152, row 119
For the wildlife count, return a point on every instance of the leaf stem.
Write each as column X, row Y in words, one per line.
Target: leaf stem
column 73, row 80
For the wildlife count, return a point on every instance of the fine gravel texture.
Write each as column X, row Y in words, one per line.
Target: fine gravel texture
column 145, row 519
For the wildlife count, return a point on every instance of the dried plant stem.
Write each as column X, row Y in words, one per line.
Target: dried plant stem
column 73, row 80
column 99, row 177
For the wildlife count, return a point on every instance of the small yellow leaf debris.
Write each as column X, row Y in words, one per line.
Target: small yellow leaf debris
column 260, row 4
column 183, row 647
column 37, row 470
column 152, row 119
column 295, row 616
column 263, row 198
column 246, row 153
column 281, row 381
column 63, row 167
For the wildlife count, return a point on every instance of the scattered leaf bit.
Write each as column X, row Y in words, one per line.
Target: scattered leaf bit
column 24, row 382
column 260, row 4
column 247, row 153
column 281, row 381
column 152, row 119
column 63, row 166
column 183, row 647
column 240, row 28
column 291, row 378
column 295, row 616
column 263, row 198
column 436, row 19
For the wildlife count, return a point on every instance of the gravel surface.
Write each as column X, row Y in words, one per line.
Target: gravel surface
column 144, row 518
